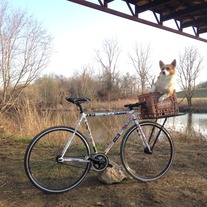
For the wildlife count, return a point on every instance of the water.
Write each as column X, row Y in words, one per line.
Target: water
column 189, row 124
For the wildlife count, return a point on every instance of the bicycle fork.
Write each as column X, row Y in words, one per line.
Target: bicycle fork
column 149, row 149
column 158, row 134
column 141, row 134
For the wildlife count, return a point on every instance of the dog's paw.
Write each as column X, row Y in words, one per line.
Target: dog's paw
column 162, row 98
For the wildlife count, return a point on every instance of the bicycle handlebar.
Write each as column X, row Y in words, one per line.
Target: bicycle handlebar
column 138, row 104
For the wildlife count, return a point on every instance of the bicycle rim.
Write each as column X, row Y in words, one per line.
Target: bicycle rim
column 140, row 164
column 41, row 157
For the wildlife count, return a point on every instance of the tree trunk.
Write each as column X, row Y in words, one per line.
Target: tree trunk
column 189, row 100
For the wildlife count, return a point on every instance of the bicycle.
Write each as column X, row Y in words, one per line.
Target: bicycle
column 59, row 158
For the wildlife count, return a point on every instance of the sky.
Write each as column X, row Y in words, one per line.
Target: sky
column 78, row 31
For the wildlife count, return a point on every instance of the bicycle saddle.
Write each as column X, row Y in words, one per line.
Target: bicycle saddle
column 77, row 100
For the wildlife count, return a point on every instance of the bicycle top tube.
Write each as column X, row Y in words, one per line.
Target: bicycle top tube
column 110, row 113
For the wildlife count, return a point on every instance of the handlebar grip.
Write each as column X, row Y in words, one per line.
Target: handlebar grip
column 138, row 104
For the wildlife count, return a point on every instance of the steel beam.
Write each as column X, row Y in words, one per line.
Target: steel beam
column 104, row 8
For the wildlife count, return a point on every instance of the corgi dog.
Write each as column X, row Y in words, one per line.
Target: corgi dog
column 166, row 80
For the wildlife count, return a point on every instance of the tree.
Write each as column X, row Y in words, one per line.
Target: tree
column 51, row 90
column 128, row 88
column 83, row 83
column 25, row 48
column 141, row 62
column 108, row 59
column 190, row 65
column 202, row 85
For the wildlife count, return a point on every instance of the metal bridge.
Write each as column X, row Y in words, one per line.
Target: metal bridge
column 186, row 14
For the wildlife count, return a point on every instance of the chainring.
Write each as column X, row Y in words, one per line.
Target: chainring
column 100, row 162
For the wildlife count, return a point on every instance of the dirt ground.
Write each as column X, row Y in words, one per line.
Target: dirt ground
column 184, row 185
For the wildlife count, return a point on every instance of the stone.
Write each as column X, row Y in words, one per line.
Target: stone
column 114, row 174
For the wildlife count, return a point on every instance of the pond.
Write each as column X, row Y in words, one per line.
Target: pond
column 190, row 123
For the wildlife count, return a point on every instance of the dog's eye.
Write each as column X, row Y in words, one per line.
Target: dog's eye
column 167, row 68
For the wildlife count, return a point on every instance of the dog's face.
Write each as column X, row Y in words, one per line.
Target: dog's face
column 168, row 69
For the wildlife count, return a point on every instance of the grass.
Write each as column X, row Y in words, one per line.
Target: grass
column 199, row 101
column 199, row 93
column 199, row 105
column 22, row 125
column 27, row 121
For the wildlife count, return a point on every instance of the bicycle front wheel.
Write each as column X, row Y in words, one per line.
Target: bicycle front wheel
column 138, row 161
column 42, row 165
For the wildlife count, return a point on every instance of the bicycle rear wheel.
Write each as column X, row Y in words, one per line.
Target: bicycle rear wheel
column 136, row 159
column 42, row 165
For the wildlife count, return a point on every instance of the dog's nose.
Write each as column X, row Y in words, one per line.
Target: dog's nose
column 163, row 72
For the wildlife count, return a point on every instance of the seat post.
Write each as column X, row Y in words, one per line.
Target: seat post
column 80, row 107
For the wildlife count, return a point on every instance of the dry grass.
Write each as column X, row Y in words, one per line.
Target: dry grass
column 27, row 120
column 195, row 101
column 199, row 105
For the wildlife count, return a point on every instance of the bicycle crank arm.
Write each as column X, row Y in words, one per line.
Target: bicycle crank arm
column 147, row 151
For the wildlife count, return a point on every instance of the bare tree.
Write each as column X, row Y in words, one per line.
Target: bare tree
column 128, row 87
column 108, row 59
column 190, row 65
column 25, row 48
column 48, row 88
column 84, row 83
column 141, row 62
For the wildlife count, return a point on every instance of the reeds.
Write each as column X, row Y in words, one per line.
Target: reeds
column 27, row 120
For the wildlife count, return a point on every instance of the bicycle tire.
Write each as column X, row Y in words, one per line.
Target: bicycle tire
column 135, row 159
column 42, row 167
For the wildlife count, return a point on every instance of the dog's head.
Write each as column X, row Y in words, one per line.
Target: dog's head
column 168, row 69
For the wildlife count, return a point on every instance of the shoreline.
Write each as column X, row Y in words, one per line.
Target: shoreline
column 199, row 110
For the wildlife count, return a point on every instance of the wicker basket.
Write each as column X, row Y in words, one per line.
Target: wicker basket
column 155, row 109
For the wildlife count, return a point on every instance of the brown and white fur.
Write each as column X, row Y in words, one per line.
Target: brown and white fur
column 166, row 80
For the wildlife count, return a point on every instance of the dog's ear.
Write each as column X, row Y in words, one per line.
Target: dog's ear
column 173, row 63
column 161, row 64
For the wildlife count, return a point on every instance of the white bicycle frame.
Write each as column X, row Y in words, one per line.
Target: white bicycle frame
column 84, row 118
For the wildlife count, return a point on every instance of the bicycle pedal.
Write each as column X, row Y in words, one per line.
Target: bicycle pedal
column 110, row 165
